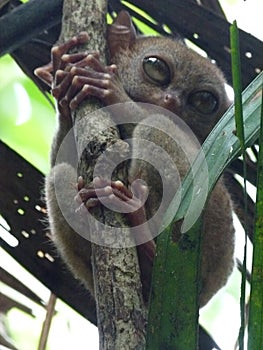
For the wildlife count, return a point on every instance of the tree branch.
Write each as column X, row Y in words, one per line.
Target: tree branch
column 120, row 308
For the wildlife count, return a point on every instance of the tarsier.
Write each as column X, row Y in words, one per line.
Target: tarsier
column 155, row 70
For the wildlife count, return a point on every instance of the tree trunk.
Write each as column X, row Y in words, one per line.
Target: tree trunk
column 120, row 310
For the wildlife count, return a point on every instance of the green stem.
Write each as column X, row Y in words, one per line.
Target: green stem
column 237, row 85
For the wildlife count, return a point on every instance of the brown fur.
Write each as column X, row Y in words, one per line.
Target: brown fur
column 190, row 72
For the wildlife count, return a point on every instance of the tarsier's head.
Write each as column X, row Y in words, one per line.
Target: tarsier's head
column 164, row 72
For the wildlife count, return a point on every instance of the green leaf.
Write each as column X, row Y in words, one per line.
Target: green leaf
column 237, row 85
column 172, row 278
column 255, row 324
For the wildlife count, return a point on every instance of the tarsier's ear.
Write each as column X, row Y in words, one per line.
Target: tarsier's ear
column 121, row 33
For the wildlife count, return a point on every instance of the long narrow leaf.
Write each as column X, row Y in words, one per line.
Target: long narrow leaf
column 255, row 325
column 169, row 276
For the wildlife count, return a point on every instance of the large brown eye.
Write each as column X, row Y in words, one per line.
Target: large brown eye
column 157, row 70
column 203, row 101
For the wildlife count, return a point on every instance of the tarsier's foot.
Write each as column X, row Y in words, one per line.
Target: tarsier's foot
column 116, row 196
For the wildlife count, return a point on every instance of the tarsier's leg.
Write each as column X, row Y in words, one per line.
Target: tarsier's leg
column 74, row 249
column 119, row 197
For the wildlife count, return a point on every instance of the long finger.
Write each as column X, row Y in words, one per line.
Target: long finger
column 58, row 51
column 78, row 57
column 87, row 90
column 45, row 73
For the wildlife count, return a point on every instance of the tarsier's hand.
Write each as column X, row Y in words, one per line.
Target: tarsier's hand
column 48, row 72
column 74, row 77
column 90, row 77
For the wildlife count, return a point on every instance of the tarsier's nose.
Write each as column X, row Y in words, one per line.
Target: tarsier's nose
column 172, row 102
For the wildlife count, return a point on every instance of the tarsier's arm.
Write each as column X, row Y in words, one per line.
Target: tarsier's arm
column 137, row 75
